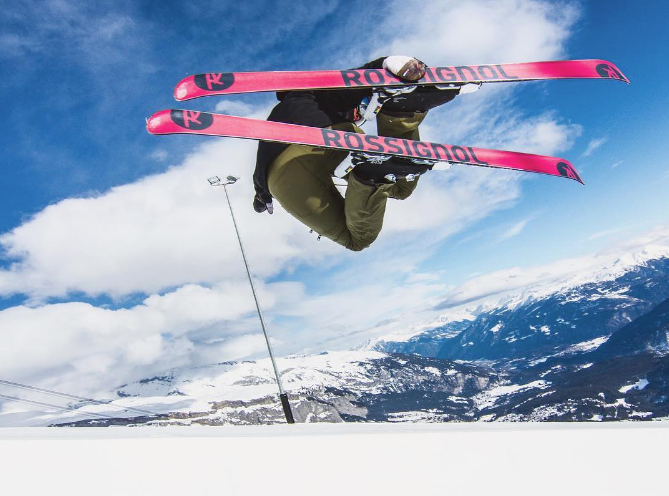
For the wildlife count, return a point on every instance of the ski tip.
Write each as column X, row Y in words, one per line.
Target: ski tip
column 576, row 178
column 564, row 169
column 608, row 70
column 182, row 89
column 156, row 121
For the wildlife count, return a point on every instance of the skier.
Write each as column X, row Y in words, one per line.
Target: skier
column 300, row 177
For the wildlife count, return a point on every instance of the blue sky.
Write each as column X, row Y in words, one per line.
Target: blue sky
column 115, row 230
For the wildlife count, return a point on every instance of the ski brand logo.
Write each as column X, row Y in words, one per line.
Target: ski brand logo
column 191, row 119
column 568, row 171
column 214, row 81
column 609, row 72
column 402, row 147
column 456, row 74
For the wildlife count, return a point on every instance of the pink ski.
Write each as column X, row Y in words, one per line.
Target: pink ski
column 226, row 83
column 194, row 122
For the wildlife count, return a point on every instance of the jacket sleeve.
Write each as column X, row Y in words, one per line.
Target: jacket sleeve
column 342, row 102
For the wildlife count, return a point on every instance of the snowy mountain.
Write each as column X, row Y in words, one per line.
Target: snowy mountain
column 535, row 323
column 374, row 387
column 332, row 387
column 649, row 332
column 594, row 346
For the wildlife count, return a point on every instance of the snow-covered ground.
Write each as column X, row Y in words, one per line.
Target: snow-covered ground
column 193, row 390
column 385, row 459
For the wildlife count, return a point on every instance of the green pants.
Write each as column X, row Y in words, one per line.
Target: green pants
column 300, row 178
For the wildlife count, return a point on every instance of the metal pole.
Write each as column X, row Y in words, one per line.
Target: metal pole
column 284, row 397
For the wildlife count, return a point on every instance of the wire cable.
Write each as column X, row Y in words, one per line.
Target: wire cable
column 49, row 405
column 72, row 396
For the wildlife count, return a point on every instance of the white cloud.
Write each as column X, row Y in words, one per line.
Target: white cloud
column 514, row 230
column 567, row 272
column 511, row 285
column 607, row 232
column 160, row 155
column 89, row 350
column 453, row 32
column 170, row 235
column 593, row 145
column 488, row 118
column 239, row 108
column 80, row 347
column 172, row 228
column 91, row 36
column 422, row 277
column 160, row 232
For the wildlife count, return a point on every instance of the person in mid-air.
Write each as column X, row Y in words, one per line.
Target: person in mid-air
column 300, row 177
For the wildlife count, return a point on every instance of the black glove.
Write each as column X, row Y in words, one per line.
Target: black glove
column 263, row 202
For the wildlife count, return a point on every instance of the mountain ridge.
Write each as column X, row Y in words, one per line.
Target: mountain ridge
column 597, row 351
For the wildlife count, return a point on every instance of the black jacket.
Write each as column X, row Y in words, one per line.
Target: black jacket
column 321, row 108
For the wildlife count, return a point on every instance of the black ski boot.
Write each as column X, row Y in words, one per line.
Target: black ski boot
column 375, row 169
column 420, row 100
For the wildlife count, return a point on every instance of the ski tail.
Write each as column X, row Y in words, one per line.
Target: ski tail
column 195, row 122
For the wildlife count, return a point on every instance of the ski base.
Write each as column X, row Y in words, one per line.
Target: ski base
column 226, row 83
column 193, row 122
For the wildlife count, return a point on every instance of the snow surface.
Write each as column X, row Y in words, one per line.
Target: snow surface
column 488, row 398
column 581, row 347
column 433, row 370
column 640, row 384
column 584, row 346
column 496, row 327
column 335, row 459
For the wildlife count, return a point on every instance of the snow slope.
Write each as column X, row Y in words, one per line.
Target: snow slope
column 334, row 459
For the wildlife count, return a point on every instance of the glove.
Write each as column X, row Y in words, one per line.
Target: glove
column 407, row 68
column 262, row 203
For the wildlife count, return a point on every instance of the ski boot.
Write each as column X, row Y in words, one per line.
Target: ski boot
column 375, row 169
